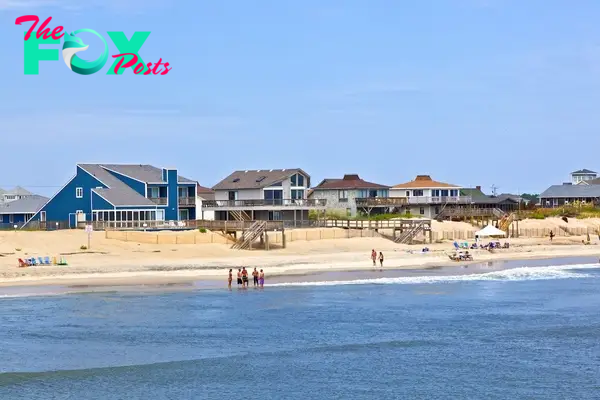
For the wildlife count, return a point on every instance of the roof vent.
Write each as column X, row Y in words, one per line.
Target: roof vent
column 260, row 179
column 283, row 170
column 246, row 171
column 351, row 177
column 236, row 180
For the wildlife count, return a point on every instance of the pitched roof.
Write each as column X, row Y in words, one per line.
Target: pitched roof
column 204, row 192
column 26, row 205
column 258, row 179
column 591, row 182
column 117, row 193
column 349, row 181
column 571, row 191
column 19, row 191
column 142, row 172
column 583, row 171
column 423, row 182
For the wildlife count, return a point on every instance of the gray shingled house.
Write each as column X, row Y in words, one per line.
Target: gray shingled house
column 270, row 195
column 560, row 195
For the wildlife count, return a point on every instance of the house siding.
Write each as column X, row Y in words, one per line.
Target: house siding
column 65, row 202
column 100, row 203
column 333, row 200
column 172, row 211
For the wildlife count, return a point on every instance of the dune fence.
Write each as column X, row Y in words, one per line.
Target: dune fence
column 291, row 235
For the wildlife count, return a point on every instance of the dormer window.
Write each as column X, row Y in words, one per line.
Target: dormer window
column 236, row 180
column 260, row 179
column 297, row 180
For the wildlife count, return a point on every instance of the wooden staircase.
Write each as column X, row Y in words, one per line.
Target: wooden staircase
column 240, row 215
column 505, row 222
column 254, row 231
column 409, row 235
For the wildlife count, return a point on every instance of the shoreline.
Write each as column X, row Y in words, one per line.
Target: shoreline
column 277, row 267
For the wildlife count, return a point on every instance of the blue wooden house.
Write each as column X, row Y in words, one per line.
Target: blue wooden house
column 126, row 195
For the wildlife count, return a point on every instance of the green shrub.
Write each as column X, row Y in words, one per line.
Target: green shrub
column 83, row 247
column 202, row 230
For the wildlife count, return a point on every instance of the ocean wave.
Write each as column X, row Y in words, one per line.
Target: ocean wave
column 513, row 274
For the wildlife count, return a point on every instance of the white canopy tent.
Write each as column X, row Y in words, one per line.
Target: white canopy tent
column 489, row 231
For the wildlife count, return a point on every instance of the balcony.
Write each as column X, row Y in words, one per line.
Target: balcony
column 264, row 203
column 187, row 201
column 439, row 200
column 381, row 201
column 161, row 201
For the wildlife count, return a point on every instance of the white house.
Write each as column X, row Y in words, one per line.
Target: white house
column 426, row 197
column 204, row 194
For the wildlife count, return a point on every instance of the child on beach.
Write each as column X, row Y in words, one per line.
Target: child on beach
column 261, row 278
column 374, row 257
column 255, row 276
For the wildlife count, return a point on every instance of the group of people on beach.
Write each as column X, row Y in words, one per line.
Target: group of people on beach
column 374, row 258
column 242, row 277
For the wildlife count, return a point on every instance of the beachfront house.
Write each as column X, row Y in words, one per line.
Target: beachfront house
column 269, row 195
column 582, row 176
column 120, row 195
column 505, row 202
column 351, row 195
column 565, row 194
column 17, row 212
column 426, row 197
column 204, row 194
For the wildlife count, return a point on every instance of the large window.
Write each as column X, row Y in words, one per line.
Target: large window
column 343, row 195
column 418, row 192
column 233, row 195
column 297, row 180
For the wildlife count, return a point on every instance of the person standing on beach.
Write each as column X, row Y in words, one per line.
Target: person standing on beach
column 255, row 276
column 230, row 278
column 381, row 259
column 244, row 277
column 374, row 257
column 239, row 276
column 551, row 235
column 261, row 278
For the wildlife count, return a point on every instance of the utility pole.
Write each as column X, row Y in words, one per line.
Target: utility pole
column 494, row 188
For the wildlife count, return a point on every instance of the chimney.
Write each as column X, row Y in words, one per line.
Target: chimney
column 351, row 177
column 478, row 188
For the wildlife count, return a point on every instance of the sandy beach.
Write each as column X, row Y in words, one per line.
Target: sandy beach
column 114, row 262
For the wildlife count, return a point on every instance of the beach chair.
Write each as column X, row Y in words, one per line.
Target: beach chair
column 456, row 246
column 54, row 261
column 23, row 264
column 47, row 260
column 32, row 261
column 62, row 261
column 40, row 260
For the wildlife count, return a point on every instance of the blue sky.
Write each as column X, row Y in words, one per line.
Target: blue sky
column 472, row 92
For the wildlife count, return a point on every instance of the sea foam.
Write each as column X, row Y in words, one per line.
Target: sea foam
column 513, row 274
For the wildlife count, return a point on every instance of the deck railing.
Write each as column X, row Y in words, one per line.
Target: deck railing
column 291, row 203
column 440, row 200
column 187, row 201
column 381, row 201
column 159, row 200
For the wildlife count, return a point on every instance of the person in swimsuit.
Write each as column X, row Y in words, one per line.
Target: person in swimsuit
column 255, row 276
column 261, row 278
column 230, row 278
column 374, row 257
column 239, row 276
column 244, row 277
column 381, row 259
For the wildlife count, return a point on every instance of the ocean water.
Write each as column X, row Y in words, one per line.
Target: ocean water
column 527, row 332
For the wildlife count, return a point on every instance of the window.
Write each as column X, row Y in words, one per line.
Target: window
column 79, row 192
column 79, row 212
column 422, row 210
column 444, row 193
column 297, row 180
column 10, row 219
column 343, row 195
column 233, row 195
column 274, row 215
column 418, row 192
column 297, row 194
column 435, row 193
column 183, row 191
column 408, row 193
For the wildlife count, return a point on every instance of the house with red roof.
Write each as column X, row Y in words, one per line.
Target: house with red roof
column 352, row 194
